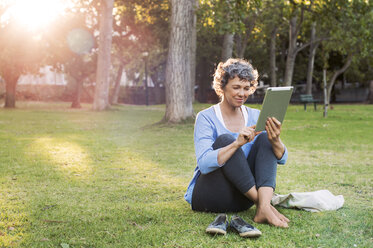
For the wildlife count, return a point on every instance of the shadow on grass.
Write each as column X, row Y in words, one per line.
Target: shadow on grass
column 70, row 185
column 132, row 180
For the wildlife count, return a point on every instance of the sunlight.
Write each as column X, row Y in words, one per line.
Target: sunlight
column 146, row 172
column 70, row 157
column 13, row 214
column 35, row 14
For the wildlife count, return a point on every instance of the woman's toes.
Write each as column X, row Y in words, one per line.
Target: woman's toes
column 279, row 215
column 268, row 216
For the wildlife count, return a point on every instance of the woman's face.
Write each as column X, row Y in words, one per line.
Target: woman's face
column 237, row 91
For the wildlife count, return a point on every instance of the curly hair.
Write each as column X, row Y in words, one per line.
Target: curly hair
column 234, row 68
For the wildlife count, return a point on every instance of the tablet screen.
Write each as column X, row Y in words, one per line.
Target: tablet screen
column 275, row 103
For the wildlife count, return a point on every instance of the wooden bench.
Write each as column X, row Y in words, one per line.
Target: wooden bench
column 305, row 99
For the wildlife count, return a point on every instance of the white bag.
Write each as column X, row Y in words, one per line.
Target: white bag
column 316, row 201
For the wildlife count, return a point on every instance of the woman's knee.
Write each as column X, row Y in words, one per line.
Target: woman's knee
column 223, row 140
column 262, row 140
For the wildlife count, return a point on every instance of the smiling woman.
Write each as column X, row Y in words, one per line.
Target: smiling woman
column 36, row 14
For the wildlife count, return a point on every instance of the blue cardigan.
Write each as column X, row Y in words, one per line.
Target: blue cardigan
column 206, row 129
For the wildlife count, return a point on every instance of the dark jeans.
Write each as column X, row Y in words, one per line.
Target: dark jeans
column 223, row 189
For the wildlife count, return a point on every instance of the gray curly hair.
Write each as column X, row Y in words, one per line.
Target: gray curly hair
column 234, row 68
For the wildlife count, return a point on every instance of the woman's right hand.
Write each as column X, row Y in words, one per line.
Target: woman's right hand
column 247, row 134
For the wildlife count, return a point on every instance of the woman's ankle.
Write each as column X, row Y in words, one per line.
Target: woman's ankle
column 252, row 194
column 263, row 205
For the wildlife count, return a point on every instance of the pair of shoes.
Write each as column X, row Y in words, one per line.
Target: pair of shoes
column 220, row 225
column 244, row 229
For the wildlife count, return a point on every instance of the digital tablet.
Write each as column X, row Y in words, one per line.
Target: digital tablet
column 275, row 103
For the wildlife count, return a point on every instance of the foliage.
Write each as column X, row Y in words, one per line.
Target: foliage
column 228, row 15
column 352, row 23
column 112, row 179
column 72, row 47
column 20, row 48
column 141, row 27
column 71, row 44
column 350, row 37
column 23, row 50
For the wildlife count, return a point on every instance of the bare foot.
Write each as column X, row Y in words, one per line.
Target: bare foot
column 279, row 215
column 266, row 215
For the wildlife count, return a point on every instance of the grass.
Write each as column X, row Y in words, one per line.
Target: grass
column 78, row 178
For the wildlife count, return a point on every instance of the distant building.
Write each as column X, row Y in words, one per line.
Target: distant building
column 51, row 77
column 47, row 76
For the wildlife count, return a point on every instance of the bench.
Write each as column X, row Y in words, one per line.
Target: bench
column 305, row 99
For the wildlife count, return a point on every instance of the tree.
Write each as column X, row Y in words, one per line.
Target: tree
column 70, row 47
column 101, row 96
column 178, row 77
column 79, row 68
column 311, row 58
column 228, row 43
column 141, row 27
column 370, row 98
column 234, row 20
column 193, row 52
column 250, row 11
column 351, row 37
column 208, row 54
column 295, row 23
column 20, row 52
column 115, row 95
column 64, row 47
column 272, row 57
column 271, row 22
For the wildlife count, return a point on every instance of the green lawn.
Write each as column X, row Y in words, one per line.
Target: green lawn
column 78, row 178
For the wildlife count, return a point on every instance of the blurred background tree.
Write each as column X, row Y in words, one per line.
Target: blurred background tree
column 289, row 42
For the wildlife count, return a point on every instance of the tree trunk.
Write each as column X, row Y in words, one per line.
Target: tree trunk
column 371, row 92
column 114, row 97
column 241, row 47
column 325, row 94
column 101, row 97
column 243, row 39
column 283, row 60
column 78, row 93
column 194, row 51
column 178, row 77
column 158, row 98
column 204, row 80
column 237, row 44
column 146, row 85
column 272, row 57
column 290, row 60
column 227, row 47
column 289, row 70
column 10, row 90
column 311, row 59
column 293, row 50
column 336, row 74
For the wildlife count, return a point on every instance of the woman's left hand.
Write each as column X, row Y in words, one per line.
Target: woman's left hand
column 273, row 128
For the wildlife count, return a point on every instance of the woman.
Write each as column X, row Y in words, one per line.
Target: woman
column 236, row 166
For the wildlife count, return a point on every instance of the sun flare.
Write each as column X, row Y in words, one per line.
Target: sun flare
column 35, row 14
column 67, row 157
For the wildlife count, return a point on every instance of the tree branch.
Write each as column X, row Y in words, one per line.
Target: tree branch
column 299, row 25
column 309, row 43
column 343, row 69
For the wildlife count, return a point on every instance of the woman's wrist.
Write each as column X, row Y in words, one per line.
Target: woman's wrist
column 236, row 145
column 278, row 149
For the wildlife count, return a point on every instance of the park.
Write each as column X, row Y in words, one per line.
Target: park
column 104, row 157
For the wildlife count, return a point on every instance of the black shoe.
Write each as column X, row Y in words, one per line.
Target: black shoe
column 244, row 229
column 219, row 225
